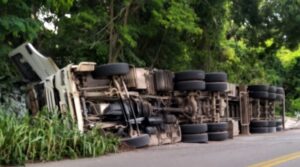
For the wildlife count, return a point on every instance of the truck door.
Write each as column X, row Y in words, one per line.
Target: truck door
column 31, row 64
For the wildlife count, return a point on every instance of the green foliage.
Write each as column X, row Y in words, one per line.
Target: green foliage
column 253, row 41
column 48, row 137
column 295, row 105
column 292, row 80
column 19, row 23
column 178, row 16
column 16, row 26
column 78, row 37
column 59, row 6
column 207, row 50
column 288, row 57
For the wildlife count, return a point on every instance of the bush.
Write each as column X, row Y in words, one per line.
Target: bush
column 48, row 137
column 295, row 104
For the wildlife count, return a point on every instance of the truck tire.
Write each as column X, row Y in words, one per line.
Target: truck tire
column 259, row 129
column 216, row 86
column 217, row 127
column 278, row 128
column 189, row 75
column 272, row 124
column 110, row 70
column 259, row 95
column 259, row 88
column 272, row 96
column 195, row 138
column 272, row 129
column 259, row 123
column 272, row 89
column 280, row 90
column 193, row 128
column 216, row 77
column 279, row 97
column 137, row 142
column 218, row 136
column 278, row 123
column 189, row 85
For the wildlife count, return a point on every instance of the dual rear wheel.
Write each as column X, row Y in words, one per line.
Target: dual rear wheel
column 218, row 131
column 266, row 92
column 194, row 133
column 263, row 126
column 202, row 133
column 192, row 80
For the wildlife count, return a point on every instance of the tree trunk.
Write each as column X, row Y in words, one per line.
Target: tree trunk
column 111, row 32
column 115, row 48
column 119, row 48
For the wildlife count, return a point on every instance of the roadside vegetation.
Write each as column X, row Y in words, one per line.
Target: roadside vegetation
column 48, row 137
column 255, row 41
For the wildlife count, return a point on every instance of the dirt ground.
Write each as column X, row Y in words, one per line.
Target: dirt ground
column 292, row 123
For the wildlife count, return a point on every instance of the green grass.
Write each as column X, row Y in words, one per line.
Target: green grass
column 47, row 137
column 290, row 114
column 287, row 113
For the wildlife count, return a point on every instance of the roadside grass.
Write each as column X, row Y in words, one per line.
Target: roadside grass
column 288, row 114
column 48, row 137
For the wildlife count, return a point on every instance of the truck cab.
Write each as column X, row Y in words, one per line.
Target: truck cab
column 117, row 98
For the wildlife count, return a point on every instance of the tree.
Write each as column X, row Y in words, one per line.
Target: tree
column 16, row 26
column 19, row 22
column 247, row 39
column 140, row 32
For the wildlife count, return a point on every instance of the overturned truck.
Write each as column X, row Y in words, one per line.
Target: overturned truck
column 254, row 107
column 142, row 106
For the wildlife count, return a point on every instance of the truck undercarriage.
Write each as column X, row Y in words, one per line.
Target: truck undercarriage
column 143, row 106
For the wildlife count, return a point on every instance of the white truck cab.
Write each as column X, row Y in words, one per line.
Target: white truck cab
column 48, row 85
column 117, row 98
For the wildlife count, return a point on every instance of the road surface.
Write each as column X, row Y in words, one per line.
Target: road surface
column 281, row 149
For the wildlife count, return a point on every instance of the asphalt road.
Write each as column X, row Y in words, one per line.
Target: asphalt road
column 282, row 149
